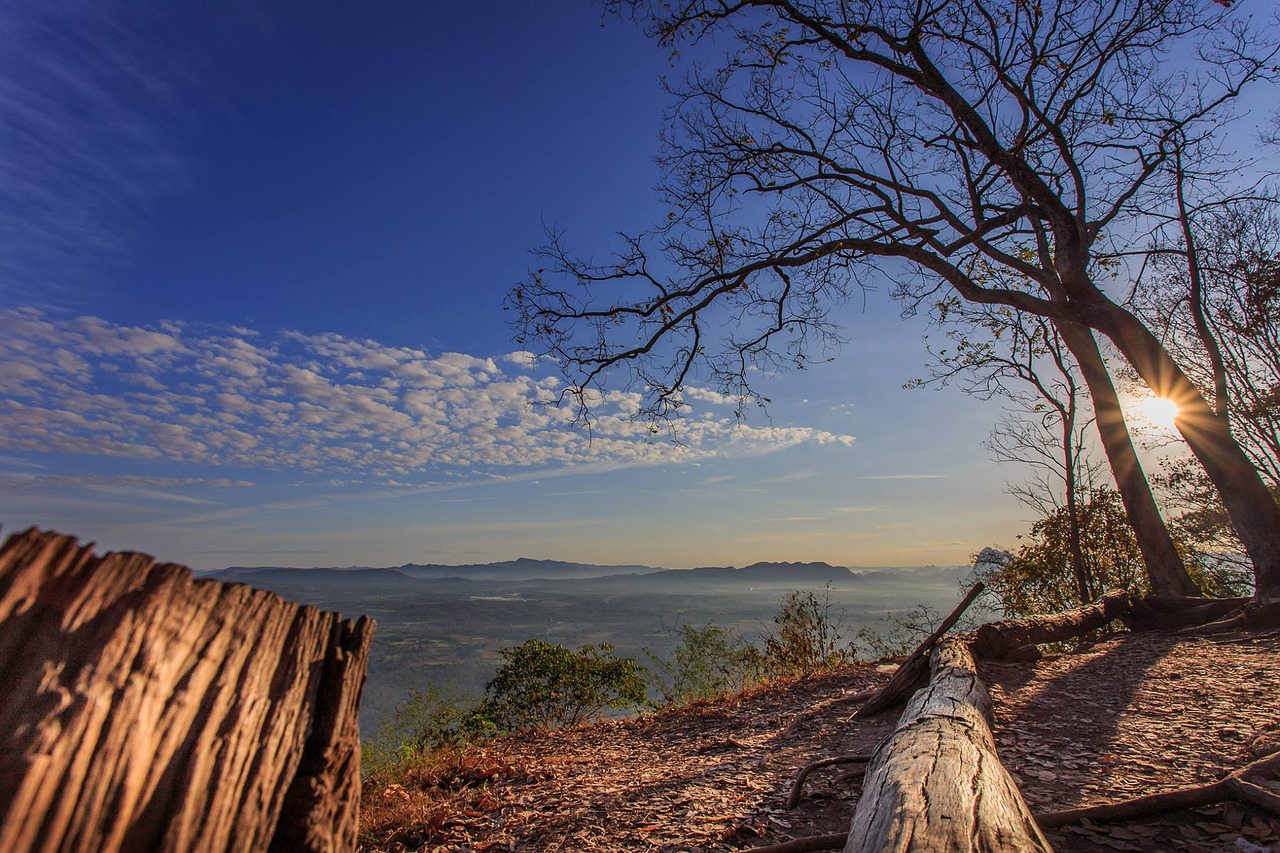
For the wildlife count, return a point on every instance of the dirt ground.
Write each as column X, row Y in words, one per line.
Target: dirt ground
column 1138, row 714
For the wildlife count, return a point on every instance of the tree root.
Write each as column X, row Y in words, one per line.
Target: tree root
column 794, row 798
column 833, row 841
column 1237, row 785
column 1254, row 616
column 821, row 708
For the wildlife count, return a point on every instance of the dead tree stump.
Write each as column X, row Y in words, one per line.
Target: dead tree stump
column 936, row 783
column 145, row 710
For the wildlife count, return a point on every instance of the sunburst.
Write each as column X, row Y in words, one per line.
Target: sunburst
column 1159, row 412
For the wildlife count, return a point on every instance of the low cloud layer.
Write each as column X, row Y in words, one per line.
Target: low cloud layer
column 325, row 406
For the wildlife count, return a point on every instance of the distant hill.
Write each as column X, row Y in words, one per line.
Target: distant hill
column 526, row 570
column 759, row 573
column 522, row 568
column 277, row 575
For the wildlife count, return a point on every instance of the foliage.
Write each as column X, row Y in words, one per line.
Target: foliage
column 805, row 638
column 544, row 685
column 1039, row 577
column 426, row 722
column 707, row 661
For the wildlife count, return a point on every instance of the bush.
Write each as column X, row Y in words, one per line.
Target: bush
column 425, row 723
column 1039, row 577
column 706, row 662
column 543, row 685
column 805, row 638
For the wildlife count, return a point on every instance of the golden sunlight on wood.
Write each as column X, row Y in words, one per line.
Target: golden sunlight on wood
column 1159, row 412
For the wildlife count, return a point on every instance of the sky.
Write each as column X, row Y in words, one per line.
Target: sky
column 251, row 274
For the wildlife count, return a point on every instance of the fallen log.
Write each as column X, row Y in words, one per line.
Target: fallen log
column 936, row 783
column 912, row 671
column 1253, row 616
column 995, row 640
column 145, row 710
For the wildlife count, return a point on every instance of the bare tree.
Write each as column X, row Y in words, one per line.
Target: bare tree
column 930, row 142
column 997, row 352
column 1215, row 298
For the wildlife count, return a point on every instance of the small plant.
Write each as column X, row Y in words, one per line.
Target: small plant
column 805, row 638
column 706, row 662
column 426, row 722
column 543, row 685
column 899, row 633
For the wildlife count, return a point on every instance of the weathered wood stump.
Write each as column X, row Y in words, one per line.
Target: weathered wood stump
column 936, row 783
column 145, row 710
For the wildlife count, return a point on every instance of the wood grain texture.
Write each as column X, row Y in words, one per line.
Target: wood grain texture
column 146, row 710
column 936, row 783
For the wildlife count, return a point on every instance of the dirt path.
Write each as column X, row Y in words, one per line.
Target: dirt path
column 1131, row 716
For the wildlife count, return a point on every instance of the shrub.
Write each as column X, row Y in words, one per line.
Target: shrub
column 422, row 724
column 706, row 662
column 805, row 638
column 543, row 685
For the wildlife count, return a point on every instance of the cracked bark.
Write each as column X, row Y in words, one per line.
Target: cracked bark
column 937, row 783
column 145, row 710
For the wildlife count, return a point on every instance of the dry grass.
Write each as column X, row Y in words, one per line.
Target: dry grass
column 424, row 801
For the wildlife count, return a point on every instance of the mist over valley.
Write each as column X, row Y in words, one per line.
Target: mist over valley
column 446, row 624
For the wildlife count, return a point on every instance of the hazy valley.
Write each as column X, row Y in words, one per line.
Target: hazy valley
column 446, row 624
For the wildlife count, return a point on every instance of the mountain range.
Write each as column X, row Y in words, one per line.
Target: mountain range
column 529, row 569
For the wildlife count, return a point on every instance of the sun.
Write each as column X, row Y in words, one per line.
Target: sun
column 1159, row 412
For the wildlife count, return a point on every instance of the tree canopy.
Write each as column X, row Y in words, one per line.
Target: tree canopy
column 1005, row 152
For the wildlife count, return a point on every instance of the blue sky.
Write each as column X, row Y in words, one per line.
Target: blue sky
column 250, row 308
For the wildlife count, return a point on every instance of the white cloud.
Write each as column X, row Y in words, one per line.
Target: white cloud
column 325, row 405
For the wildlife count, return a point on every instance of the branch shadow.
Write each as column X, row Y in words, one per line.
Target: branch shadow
column 1057, row 740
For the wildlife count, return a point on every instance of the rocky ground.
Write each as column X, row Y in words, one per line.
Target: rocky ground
column 1134, row 715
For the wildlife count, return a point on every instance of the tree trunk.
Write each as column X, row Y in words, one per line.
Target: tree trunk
column 1249, row 503
column 1164, row 567
column 1084, row 583
column 998, row 639
column 145, row 710
column 937, row 783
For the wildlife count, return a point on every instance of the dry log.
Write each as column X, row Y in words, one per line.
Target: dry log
column 912, row 670
column 1239, row 785
column 145, row 710
column 797, row 786
column 936, row 783
column 996, row 639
